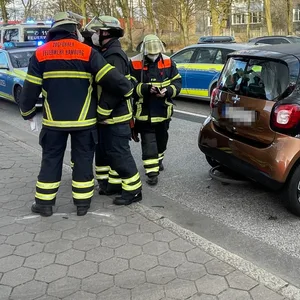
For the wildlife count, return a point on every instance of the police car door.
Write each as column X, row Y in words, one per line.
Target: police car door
column 6, row 80
column 183, row 60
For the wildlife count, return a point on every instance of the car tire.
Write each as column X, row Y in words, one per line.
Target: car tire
column 213, row 163
column 17, row 94
column 291, row 193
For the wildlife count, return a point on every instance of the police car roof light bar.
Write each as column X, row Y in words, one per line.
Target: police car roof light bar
column 11, row 45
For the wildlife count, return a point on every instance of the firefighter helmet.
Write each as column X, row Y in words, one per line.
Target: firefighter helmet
column 107, row 23
column 152, row 45
column 63, row 18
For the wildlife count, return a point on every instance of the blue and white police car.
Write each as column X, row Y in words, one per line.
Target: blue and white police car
column 14, row 60
column 200, row 66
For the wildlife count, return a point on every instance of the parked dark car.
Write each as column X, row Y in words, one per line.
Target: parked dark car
column 254, row 125
column 216, row 39
column 275, row 39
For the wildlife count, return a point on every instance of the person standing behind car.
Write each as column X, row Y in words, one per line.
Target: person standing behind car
column 157, row 82
column 116, row 169
column 64, row 70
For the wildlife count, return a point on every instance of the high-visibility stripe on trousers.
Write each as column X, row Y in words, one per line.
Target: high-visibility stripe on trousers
column 83, row 190
column 161, row 156
column 114, row 178
column 132, row 184
column 102, row 172
column 151, row 165
column 46, row 191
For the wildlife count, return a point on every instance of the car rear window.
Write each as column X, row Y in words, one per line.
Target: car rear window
column 20, row 59
column 256, row 78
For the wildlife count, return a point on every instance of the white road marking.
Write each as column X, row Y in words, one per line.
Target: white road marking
column 189, row 113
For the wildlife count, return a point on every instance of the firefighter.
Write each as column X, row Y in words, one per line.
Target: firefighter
column 63, row 69
column 116, row 170
column 157, row 82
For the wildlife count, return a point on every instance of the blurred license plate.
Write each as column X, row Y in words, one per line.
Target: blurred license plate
column 239, row 115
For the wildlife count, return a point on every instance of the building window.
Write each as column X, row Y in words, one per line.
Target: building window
column 255, row 17
column 239, row 19
column 296, row 15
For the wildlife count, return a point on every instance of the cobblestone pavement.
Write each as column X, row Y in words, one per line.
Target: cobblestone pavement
column 111, row 253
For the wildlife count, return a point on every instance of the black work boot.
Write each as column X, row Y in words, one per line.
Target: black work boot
column 106, row 192
column 43, row 210
column 82, row 210
column 121, row 201
column 153, row 180
column 161, row 166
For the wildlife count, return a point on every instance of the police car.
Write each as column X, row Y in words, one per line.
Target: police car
column 200, row 66
column 14, row 60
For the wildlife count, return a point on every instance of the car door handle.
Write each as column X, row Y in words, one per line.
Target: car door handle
column 235, row 99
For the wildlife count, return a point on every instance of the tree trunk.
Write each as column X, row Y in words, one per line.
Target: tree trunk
column 3, row 11
column 268, row 17
column 289, row 17
column 81, row 5
column 185, row 20
column 215, row 23
column 248, row 19
column 84, row 13
column 126, row 15
column 150, row 15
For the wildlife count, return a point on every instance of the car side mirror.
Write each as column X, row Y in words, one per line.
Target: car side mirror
column 4, row 67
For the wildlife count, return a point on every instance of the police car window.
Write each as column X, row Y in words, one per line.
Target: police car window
column 256, row 78
column 3, row 59
column 206, row 56
column 221, row 56
column 11, row 35
column 184, row 56
column 20, row 59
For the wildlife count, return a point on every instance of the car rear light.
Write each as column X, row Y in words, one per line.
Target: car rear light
column 286, row 116
column 213, row 97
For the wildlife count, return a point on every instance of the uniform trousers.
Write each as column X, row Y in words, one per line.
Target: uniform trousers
column 154, row 138
column 53, row 143
column 113, row 156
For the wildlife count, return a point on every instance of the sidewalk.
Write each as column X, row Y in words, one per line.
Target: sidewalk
column 126, row 253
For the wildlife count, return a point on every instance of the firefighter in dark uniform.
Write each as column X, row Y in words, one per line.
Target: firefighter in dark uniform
column 63, row 69
column 157, row 82
column 116, row 170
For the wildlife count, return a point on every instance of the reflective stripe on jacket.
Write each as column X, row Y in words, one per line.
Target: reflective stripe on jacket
column 122, row 111
column 64, row 71
column 162, row 74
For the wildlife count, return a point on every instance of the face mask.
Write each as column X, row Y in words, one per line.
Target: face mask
column 95, row 39
column 153, row 57
column 79, row 36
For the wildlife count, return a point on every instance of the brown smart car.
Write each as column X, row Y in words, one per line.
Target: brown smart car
column 254, row 125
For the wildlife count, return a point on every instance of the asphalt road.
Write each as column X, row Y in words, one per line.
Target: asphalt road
column 245, row 219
